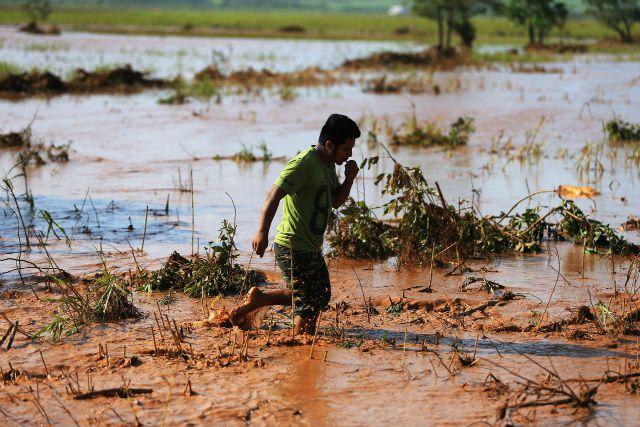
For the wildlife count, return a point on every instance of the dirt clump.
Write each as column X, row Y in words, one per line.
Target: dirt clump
column 250, row 77
column 33, row 28
column 429, row 58
column 122, row 79
column 118, row 79
column 32, row 83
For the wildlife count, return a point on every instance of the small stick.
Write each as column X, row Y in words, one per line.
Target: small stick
column 404, row 344
column 315, row 334
column 475, row 347
column 158, row 323
column 193, row 216
column 113, row 392
column 155, row 346
column 246, row 274
column 6, row 334
column 366, row 307
column 160, row 313
column 46, row 370
column 269, row 331
column 13, row 335
column 324, row 359
column 144, row 233
column 187, row 388
column 433, row 248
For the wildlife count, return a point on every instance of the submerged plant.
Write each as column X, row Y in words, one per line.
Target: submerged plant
column 215, row 273
column 619, row 130
column 356, row 233
column 106, row 299
column 426, row 227
column 429, row 134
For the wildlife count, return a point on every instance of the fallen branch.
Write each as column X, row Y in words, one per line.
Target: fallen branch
column 121, row 392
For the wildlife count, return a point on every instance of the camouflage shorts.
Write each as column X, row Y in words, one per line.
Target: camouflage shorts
column 311, row 286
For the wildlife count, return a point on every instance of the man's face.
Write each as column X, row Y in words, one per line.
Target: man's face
column 343, row 152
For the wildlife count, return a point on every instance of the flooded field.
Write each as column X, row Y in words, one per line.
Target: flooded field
column 162, row 178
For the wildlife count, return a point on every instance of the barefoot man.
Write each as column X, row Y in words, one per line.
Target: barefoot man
column 310, row 188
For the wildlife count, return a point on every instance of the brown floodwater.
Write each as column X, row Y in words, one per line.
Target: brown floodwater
column 129, row 153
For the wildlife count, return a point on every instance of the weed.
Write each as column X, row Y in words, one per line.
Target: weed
column 33, row 151
column 105, row 300
column 287, row 93
column 619, row 130
column 356, row 233
column 215, row 273
column 264, row 150
column 245, row 155
column 428, row 134
column 426, row 224
column 395, row 308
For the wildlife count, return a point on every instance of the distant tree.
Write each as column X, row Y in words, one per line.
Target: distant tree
column 539, row 16
column 451, row 16
column 37, row 10
column 619, row 15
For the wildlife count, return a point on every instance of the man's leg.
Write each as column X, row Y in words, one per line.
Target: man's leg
column 256, row 299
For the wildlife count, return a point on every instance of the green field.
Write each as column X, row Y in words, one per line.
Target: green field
column 270, row 24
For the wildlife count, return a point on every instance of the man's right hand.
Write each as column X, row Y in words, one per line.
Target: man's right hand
column 260, row 243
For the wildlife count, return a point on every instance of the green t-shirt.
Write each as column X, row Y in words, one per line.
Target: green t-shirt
column 311, row 186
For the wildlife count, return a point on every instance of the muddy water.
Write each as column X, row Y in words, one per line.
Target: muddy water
column 168, row 56
column 129, row 153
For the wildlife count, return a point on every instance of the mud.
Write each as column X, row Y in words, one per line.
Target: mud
column 118, row 80
column 399, row 349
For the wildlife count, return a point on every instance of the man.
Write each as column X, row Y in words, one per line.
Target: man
column 310, row 188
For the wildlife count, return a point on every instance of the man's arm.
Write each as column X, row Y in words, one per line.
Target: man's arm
column 350, row 173
column 261, row 239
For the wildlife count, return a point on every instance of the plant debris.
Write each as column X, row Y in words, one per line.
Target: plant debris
column 215, row 273
column 425, row 225
column 430, row 58
column 429, row 134
column 106, row 299
column 122, row 79
column 621, row 131
column 575, row 192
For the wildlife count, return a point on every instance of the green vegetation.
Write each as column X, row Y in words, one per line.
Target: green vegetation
column 38, row 10
column 6, row 68
column 451, row 16
column 215, row 273
column 618, row 15
column 538, row 16
column 619, row 130
column 425, row 227
column 429, row 134
column 106, row 299
column 270, row 23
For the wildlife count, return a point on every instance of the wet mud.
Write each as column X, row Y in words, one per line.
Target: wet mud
column 417, row 345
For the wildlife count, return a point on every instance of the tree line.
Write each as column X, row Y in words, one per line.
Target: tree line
column 538, row 16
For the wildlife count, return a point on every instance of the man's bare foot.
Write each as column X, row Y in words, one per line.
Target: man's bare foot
column 254, row 300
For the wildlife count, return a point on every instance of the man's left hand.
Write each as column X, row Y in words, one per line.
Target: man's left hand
column 351, row 170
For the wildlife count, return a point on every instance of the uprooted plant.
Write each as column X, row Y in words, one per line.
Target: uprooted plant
column 105, row 299
column 32, row 151
column 215, row 273
column 425, row 226
column 619, row 130
column 429, row 134
column 552, row 390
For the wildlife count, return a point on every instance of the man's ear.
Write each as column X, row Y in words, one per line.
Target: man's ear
column 329, row 145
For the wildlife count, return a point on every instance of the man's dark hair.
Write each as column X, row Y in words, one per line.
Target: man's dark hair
column 338, row 129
